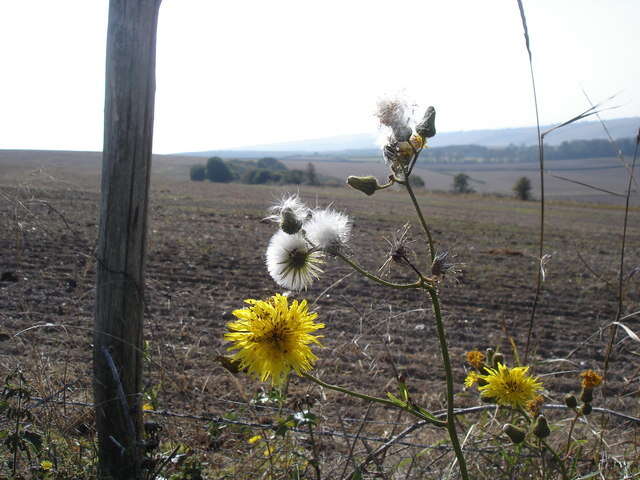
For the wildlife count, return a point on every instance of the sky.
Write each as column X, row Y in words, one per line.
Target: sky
column 251, row 72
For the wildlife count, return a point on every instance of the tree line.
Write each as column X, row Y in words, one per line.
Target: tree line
column 568, row 150
column 263, row 171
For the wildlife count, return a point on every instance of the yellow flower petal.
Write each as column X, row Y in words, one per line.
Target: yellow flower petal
column 590, row 379
column 510, row 386
column 471, row 379
column 475, row 358
column 272, row 338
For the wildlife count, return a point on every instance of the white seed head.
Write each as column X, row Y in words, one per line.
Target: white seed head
column 291, row 261
column 328, row 230
column 290, row 213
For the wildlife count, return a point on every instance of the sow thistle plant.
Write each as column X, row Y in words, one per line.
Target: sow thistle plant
column 271, row 338
column 519, row 391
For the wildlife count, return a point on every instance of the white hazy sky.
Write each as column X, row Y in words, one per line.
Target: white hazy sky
column 246, row 72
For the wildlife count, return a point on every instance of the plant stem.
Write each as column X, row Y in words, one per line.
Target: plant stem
column 17, row 435
column 432, row 251
column 376, row 279
column 563, row 471
column 451, row 425
column 369, row 398
column 614, row 327
column 573, row 423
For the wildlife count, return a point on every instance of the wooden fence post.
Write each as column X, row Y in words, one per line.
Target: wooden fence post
column 118, row 326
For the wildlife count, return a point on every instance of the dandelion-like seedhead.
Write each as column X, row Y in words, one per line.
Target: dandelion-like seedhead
column 441, row 265
column 399, row 249
column 393, row 113
column 509, row 386
column 292, row 262
column 328, row 230
column 272, row 338
column 290, row 213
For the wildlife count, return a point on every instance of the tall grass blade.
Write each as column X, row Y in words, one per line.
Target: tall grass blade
column 541, row 158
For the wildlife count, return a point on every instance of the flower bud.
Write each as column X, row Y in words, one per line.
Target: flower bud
column 490, row 352
column 290, row 222
column 586, row 409
column 497, row 358
column 514, row 433
column 427, row 127
column 367, row 185
column 570, row 401
column 587, row 395
column 541, row 427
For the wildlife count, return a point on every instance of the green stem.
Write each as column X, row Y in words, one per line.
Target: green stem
column 376, row 279
column 563, row 471
column 369, row 398
column 407, row 185
column 451, row 425
column 547, row 446
column 573, row 423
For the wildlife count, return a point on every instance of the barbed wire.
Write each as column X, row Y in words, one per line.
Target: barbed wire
column 386, row 442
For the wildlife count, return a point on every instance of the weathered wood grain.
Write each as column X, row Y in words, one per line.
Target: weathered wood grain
column 128, row 133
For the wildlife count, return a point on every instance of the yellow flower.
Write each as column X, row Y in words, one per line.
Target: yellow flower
column 146, row 407
column 254, row 439
column 273, row 338
column 509, row 386
column 534, row 405
column 590, row 379
column 46, row 465
column 475, row 358
column 417, row 141
column 471, row 379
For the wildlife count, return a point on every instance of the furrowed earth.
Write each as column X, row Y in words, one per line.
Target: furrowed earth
column 205, row 256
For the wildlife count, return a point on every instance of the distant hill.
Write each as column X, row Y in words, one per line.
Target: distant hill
column 619, row 128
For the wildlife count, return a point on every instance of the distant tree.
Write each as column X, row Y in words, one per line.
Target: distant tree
column 461, row 184
column 258, row 176
column 217, row 170
column 312, row 177
column 522, row 188
column 270, row 163
column 296, row 177
column 198, row 173
column 416, row 181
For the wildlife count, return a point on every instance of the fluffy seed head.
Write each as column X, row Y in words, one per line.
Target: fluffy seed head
column 290, row 213
column 392, row 113
column 291, row 262
column 328, row 230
